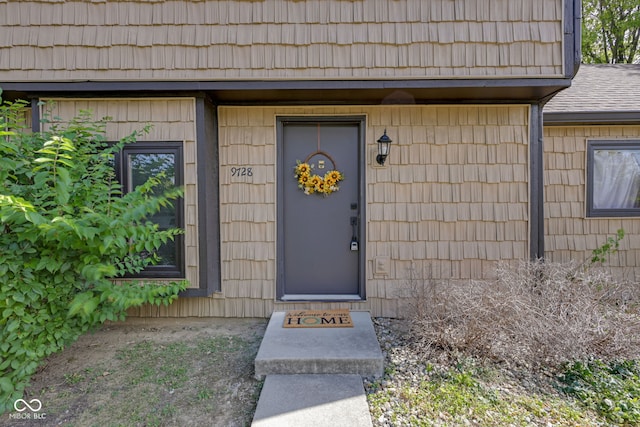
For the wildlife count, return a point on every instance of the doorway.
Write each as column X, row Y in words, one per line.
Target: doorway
column 321, row 239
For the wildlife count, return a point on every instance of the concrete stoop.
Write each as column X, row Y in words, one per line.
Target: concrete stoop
column 314, row 375
column 320, row 350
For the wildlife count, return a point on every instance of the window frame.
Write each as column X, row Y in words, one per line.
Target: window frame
column 592, row 147
column 158, row 147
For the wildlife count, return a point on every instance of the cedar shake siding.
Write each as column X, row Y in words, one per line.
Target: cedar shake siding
column 569, row 233
column 453, row 200
column 459, row 86
column 55, row 40
column 171, row 119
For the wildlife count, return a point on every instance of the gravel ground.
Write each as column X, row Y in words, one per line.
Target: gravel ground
column 407, row 366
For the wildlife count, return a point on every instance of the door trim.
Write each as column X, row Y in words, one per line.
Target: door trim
column 283, row 173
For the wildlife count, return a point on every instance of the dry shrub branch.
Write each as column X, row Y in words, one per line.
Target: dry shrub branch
column 534, row 313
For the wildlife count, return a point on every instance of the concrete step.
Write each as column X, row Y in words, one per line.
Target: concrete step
column 312, row 400
column 287, row 351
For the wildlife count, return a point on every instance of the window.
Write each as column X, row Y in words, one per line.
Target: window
column 613, row 178
column 134, row 166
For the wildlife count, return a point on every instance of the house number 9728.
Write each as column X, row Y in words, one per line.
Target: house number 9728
column 241, row 171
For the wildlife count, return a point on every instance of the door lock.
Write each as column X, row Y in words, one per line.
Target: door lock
column 354, row 235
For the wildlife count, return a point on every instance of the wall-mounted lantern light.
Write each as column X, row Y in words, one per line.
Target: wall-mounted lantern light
column 384, row 145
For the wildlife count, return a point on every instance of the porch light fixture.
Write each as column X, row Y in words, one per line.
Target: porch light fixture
column 384, row 144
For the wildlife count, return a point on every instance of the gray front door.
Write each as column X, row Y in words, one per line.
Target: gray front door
column 321, row 247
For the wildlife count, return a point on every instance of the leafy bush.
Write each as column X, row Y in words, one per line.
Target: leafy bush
column 535, row 314
column 66, row 231
column 612, row 389
column 600, row 254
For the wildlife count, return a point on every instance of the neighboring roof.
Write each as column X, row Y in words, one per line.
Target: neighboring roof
column 602, row 93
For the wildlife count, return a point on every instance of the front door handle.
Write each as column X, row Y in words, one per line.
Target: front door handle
column 354, row 233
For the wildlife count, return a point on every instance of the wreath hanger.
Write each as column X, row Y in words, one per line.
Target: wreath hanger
column 310, row 183
column 321, row 153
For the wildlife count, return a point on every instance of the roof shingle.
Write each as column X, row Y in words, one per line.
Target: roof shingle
column 600, row 88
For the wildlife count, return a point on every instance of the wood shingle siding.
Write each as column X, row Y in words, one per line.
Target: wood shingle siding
column 171, row 119
column 276, row 39
column 435, row 207
column 569, row 233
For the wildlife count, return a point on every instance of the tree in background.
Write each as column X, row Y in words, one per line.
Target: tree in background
column 610, row 31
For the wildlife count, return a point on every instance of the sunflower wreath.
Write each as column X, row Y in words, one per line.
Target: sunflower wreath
column 312, row 183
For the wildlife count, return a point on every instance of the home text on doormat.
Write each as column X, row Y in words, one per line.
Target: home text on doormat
column 339, row 318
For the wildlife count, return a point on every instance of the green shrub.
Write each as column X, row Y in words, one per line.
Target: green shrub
column 612, row 389
column 66, row 231
column 610, row 247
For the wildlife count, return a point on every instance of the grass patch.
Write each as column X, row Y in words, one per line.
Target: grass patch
column 176, row 375
column 612, row 389
column 195, row 381
column 466, row 395
column 158, row 364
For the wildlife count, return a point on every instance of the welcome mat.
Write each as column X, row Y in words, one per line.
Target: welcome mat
column 339, row 318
